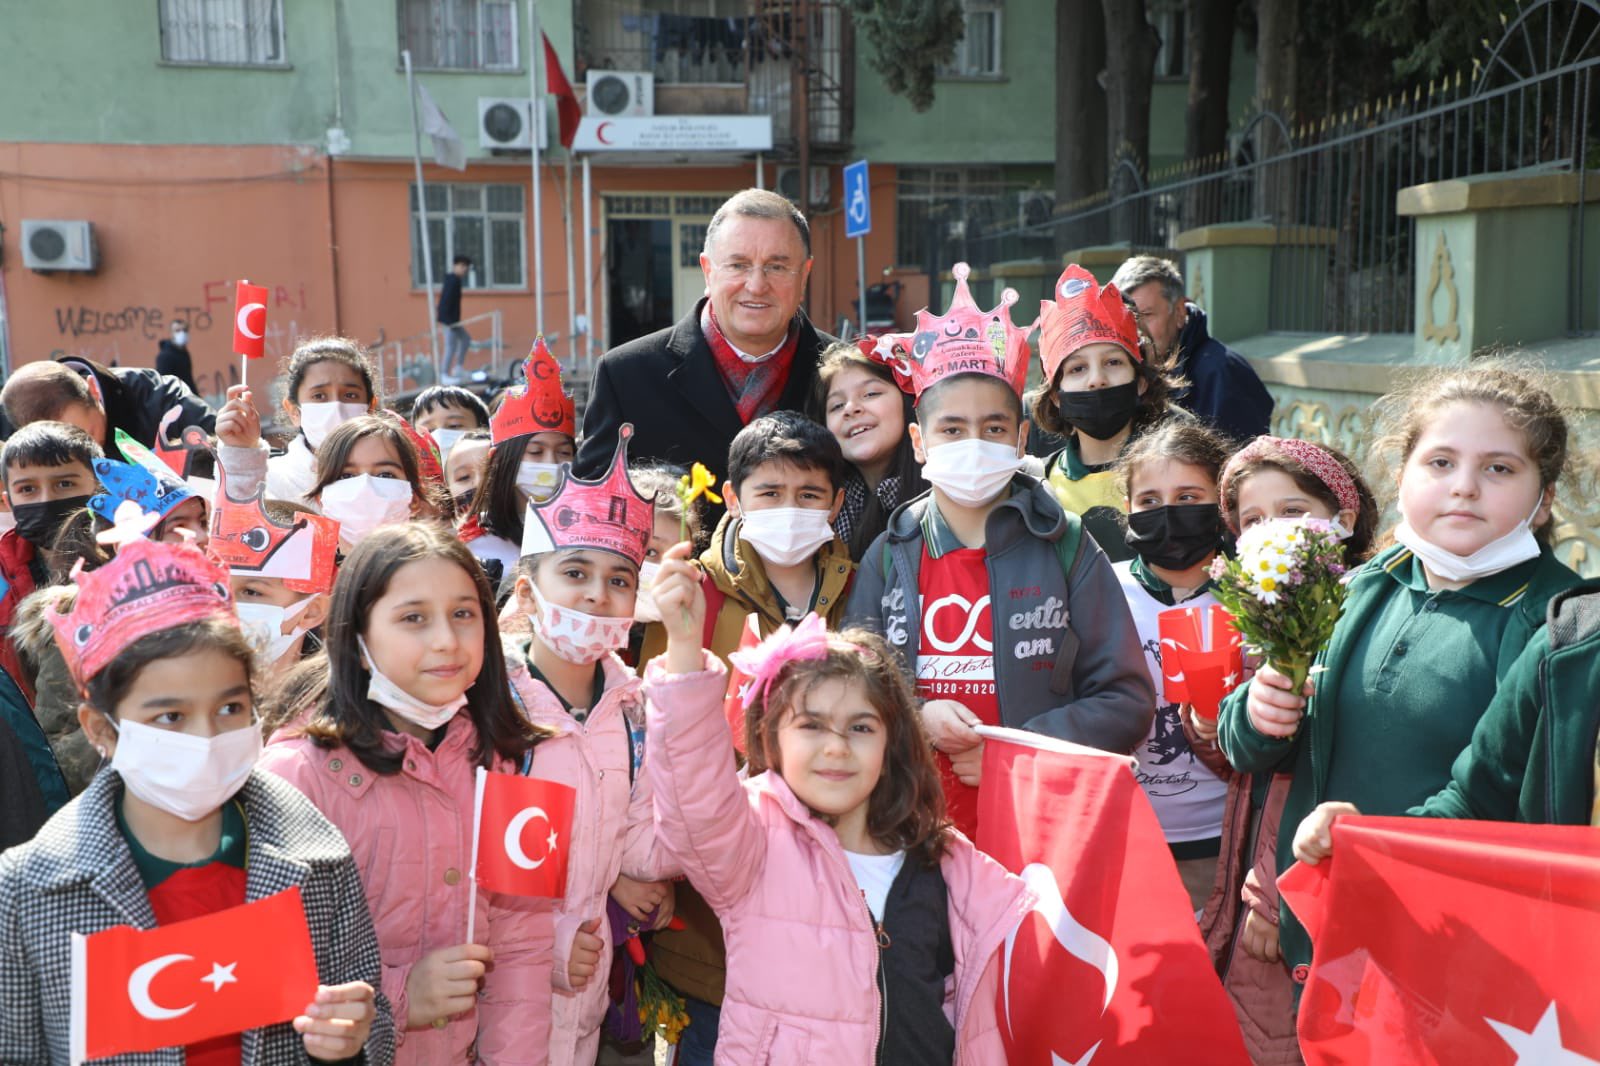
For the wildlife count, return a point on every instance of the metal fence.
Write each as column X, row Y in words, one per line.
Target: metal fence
column 1343, row 256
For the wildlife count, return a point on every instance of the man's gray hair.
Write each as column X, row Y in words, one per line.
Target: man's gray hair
column 1143, row 269
column 758, row 203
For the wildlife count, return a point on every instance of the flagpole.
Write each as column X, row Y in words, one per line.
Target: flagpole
column 572, row 283
column 472, row 874
column 422, row 214
column 536, row 110
column 588, row 270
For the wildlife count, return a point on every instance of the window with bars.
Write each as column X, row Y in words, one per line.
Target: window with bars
column 978, row 54
column 946, row 200
column 460, row 34
column 485, row 223
column 222, row 32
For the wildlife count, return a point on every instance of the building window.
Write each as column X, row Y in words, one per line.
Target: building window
column 978, row 54
column 222, row 32
column 1172, row 58
column 679, row 41
column 485, row 223
column 460, row 34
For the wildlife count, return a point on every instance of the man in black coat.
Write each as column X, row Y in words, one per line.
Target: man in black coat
column 172, row 359
column 99, row 399
column 1224, row 390
column 744, row 351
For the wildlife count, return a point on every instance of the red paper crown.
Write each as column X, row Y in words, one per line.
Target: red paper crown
column 608, row 514
column 247, row 539
column 540, row 405
column 429, row 465
column 148, row 587
column 965, row 340
column 179, row 454
column 1083, row 313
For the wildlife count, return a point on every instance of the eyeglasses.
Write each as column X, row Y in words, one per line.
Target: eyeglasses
column 776, row 273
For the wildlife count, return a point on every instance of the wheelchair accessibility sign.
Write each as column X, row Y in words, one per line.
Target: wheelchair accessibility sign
column 857, row 202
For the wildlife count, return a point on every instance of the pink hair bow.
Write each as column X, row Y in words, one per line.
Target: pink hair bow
column 806, row 641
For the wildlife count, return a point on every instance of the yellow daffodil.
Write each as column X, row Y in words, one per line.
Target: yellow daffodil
column 696, row 483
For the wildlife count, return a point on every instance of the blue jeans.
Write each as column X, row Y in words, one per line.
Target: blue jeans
column 456, row 342
column 699, row 1039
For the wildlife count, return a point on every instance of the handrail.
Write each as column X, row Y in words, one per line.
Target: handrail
column 406, row 364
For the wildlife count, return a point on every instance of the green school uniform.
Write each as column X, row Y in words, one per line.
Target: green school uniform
column 1090, row 492
column 1409, row 672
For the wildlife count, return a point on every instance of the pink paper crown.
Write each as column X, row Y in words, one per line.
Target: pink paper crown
column 147, row 588
column 429, row 464
column 1081, row 314
column 247, row 539
column 965, row 340
column 540, row 405
column 608, row 514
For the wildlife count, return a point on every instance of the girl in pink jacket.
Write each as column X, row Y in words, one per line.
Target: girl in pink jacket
column 860, row 926
column 415, row 699
column 576, row 583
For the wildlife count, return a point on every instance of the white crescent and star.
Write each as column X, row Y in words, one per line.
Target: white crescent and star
column 513, row 840
column 242, row 319
column 1542, row 1046
column 139, row 985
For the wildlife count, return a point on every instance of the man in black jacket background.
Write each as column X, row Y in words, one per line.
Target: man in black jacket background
column 99, row 399
column 172, row 358
column 457, row 340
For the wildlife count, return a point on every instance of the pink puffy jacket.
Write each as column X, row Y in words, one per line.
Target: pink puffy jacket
column 802, row 956
column 411, row 835
column 612, row 831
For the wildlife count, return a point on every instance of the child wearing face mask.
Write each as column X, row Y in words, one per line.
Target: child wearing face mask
column 1169, row 478
column 838, row 826
column 533, row 432
column 328, row 381
column 370, row 473
column 1432, row 624
column 1101, row 391
column 576, row 583
column 464, row 469
column 180, row 824
column 1007, row 613
column 447, row 413
column 413, row 699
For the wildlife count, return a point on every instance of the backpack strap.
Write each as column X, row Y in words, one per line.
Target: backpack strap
column 1068, row 544
column 714, row 600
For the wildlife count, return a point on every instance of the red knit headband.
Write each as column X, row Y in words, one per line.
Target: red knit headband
column 1318, row 460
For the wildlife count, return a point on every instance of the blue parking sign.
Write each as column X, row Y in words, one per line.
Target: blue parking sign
column 857, row 200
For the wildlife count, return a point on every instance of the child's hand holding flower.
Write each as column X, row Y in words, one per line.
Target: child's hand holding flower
column 682, row 602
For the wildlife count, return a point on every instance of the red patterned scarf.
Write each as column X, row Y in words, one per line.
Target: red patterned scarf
column 753, row 387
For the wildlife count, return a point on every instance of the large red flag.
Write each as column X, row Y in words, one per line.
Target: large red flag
column 568, row 113
column 237, row 969
column 1108, row 966
column 1451, row 942
column 249, row 320
column 522, row 836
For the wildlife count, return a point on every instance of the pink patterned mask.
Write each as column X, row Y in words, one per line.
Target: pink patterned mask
column 576, row 636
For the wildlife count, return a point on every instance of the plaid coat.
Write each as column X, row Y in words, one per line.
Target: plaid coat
column 78, row 875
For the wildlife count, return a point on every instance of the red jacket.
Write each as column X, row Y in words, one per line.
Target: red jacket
column 16, row 583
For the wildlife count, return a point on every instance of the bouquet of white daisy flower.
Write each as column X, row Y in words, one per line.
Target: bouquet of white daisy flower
column 1285, row 590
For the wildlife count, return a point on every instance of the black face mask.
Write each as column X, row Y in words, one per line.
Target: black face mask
column 1175, row 537
column 1101, row 413
column 464, row 502
column 38, row 523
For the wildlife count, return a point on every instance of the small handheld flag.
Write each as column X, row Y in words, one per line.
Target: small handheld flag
column 249, row 324
column 520, row 836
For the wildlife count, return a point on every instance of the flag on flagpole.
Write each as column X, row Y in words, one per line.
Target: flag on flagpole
column 1109, row 965
column 140, row 990
column 568, row 113
column 522, row 834
column 1439, row 941
column 249, row 320
column 448, row 151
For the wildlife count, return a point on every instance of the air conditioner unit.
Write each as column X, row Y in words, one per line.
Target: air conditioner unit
column 620, row 93
column 56, row 245
column 506, row 123
column 789, row 184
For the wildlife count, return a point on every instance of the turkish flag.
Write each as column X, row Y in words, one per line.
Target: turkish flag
column 1108, row 965
column 1202, row 657
column 568, row 113
column 236, row 969
column 1440, row 941
column 523, row 826
column 250, row 320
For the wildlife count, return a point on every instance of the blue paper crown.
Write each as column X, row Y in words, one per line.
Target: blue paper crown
column 129, row 481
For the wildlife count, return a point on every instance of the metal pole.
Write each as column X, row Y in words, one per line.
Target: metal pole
column 572, row 281
column 861, row 278
column 761, row 170
column 536, row 113
column 422, row 216
column 588, row 268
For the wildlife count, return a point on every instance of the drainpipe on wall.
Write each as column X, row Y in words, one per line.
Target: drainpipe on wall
column 333, row 252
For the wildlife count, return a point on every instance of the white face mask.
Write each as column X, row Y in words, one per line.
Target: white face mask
column 446, row 439
column 1516, row 546
column 785, row 536
column 387, row 694
column 644, row 607
column 180, row 337
column 362, row 503
column 971, row 472
column 317, row 420
column 575, row 636
column 182, row 774
column 538, row 480
column 263, row 626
